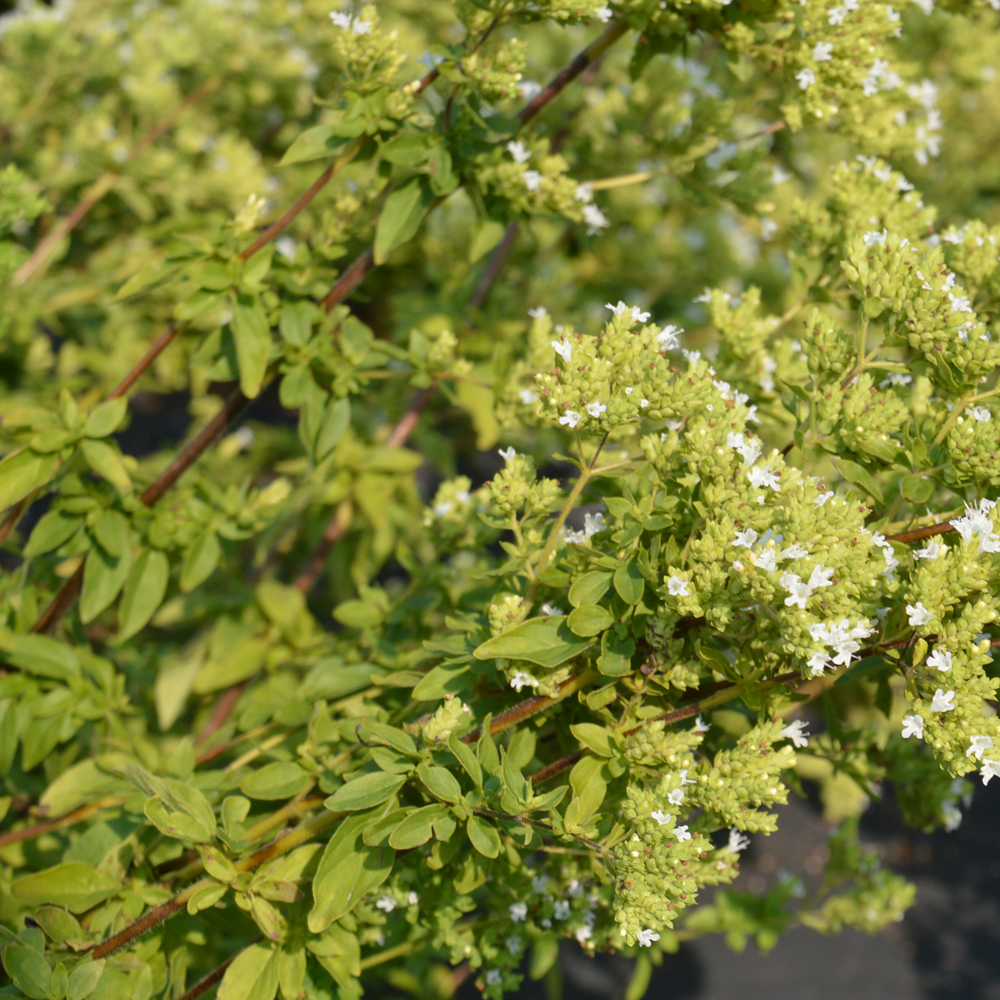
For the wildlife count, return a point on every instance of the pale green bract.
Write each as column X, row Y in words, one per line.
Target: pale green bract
column 323, row 693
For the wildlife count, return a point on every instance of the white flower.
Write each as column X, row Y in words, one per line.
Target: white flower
column 584, row 933
column 685, row 780
column 873, row 237
column 818, row 662
column 822, row 50
column 692, row 357
column 952, row 816
column 913, row 725
column 918, row 615
column 412, row 899
column 941, row 659
column 959, row 303
column 532, row 180
column 493, row 977
column 530, row 89
column 515, row 945
column 977, row 745
column 518, row 911
column 570, row 418
column 561, row 910
column 286, row 246
column 528, row 396
column 540, row 883
column 604, row 14
column 682, row 833
column 759, row 478
column 644, row 403
column 596, row 220
column 676, row 797
column 442, row 509
column 837, row 15
column 982, row 414
column 823, row 497
column 638, row 316
column 507, row 454
column 646, row 938
column 820, row 577
column 677, row 587
column 595, row 409
column 551, row 609
column 564, row 349
column 779, row 175
column 668, row 338
column 349, row 23
column 767, row 560
column 385, row 903
column 583, row 192
column 799, row 591
column 991, row 769
column 737, row 842
column 341, row 20
column 806, row 78
column 796, row 732
column 618, row 310
column 932, row 551
column 943, row 701
column 661, row 817
column 519, row 151
column 521, row 680
column 794, row 551
column 745, row 538
column 539, row 312
column 738, row 566
column 672, row 425
column 700, row 726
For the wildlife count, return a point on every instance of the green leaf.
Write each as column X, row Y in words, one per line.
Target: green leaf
column 83, row 980
column 485, row 237
column 629, row 583
column 110, row 528
column 252, row 976
column 176, row 808
column 417, row 828
column 616, row 655
column 408, row 149
column 916, row 489
column 106, row 461
column 252, row 334
column 53, row 529
column 358, row 614
column 365, row 791
column 589, row 619
column 441, row 681
column 401, row 216
column 103, row 579
column 858, row 476
column 589, row 588
column 154, row 273
column 595, row 738
column 28, row 970
column 278, row 780
column 291, row 972
column 440, row 782
column 545, row 641
column 75, row 885
column 200, row 560
column 391, row 736
column 143, row 594
column 347, row 870
column 465, row 755
column 22, row 472
column 336, row 420
column 104, row 419
column 43, row 656
column 314, row 144
column 483, row 836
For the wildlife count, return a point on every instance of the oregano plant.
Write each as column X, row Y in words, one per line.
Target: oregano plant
column 453, row 452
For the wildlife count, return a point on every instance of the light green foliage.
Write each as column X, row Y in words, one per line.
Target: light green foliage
column 337, row 691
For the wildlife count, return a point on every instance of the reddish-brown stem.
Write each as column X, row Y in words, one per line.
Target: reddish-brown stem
column 142, row 365
column 77, row 816
column 70, row 590
column 104, row 183
column 365, row 264
column 496, row 264
column 225, row 705
column 918, row 534
column 231, row 409
column 350, row 279
column 306, row 580
column 207, row 982
column 530, row 706
column 11, row 519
